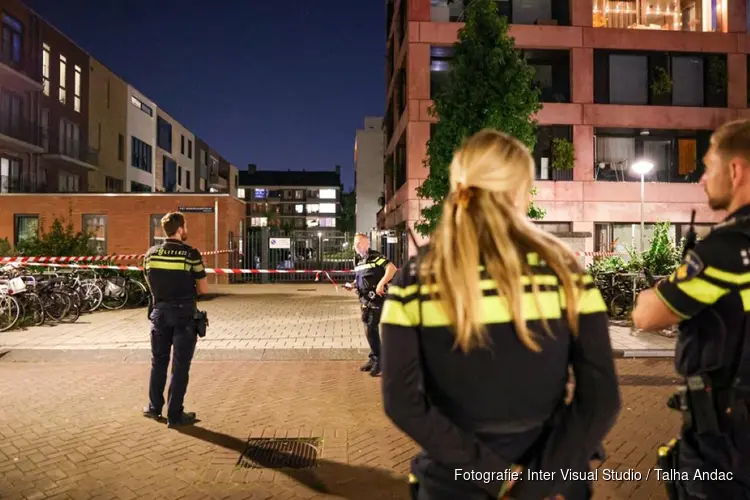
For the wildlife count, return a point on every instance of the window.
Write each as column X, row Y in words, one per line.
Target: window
column 169, row 175
column 182, row 144
column 12, row 49
column 69, row 139
column 694, row 15
column 628, row 79
column 440, row 58
column 137, row 187
column 328, row 222
column 259, row 221
column 63, row 90
column 313, row 222
column 190, row 148
column 12, row 178
column 11, row 108
column 141, row 105
column 300, row 209
column 45, row 129
column 313, row 208
column 327, row 194
column 241, row 193
column 687, row 81
column 112, row 185
column 77, row 89
column 95, row 226
column 179, row 175
column 26, row 228
column 164, row 134
column 68, row 183
column 187, row 179
column 141, row 155
column 120, row 147
column 327, row 208
column 260, row 194
column 556, row 227
column 45, row 69
column 157, row 234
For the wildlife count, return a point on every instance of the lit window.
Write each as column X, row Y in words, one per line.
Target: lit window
column 327, row 194
column 45, row 68
column 313, row 222
column 141, row 105
column 77, row 89
column 259, row 221
column 261, row 194
column 63, row 91
column 313, row 208
column 327, row 208
column 328, row 222
column 240, row 191
column 299, row 209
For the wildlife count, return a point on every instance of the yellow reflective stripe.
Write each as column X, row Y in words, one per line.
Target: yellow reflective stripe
column 701, row 290
column 396, row 313
column 168, row 266
column 193, row 261
column 198, row 269
column 380, row 261
column 364, row 266
column 532, row 258
column 495, row 310
column 745, row 296
column 402, row 292
column 727, row 277
column 591, row 302
column 668, row 304
column 168, row 257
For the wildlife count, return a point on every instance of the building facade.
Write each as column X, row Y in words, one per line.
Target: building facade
column 20, row 88
column 68, row 159
column 108, row 129
column 620, row 81
column 175, row 163
column 292, row 200
column 369, row 173
column 140, row 143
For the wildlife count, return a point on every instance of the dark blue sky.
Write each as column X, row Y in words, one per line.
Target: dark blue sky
column 284, row 85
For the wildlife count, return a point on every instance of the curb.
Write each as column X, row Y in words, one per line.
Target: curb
column 144, row 355
column 643, row 353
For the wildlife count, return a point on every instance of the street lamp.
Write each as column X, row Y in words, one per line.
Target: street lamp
column 642, row 167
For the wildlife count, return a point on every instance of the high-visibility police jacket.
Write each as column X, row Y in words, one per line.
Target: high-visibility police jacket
column 484, row 410
column 369, row 270
column 172, row 268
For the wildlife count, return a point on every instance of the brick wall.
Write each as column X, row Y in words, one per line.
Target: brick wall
column 129, row 216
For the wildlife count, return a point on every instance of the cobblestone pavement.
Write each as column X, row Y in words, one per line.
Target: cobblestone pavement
column 290, row 321
column 74, row 430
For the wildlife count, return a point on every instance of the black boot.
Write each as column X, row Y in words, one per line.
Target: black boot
column 375, row 370
column 367, row 366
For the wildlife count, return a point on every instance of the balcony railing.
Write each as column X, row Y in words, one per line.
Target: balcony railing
column 21, row 129
column 7, row 58
column 546, row 12
column 75, row 150
column 660, row 15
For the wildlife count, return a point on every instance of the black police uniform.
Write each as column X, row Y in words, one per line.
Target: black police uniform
column 172, row 269
column 368, row 272
column 710, row 291
column 503, row 404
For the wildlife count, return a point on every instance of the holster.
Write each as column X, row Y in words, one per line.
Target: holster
column 201, row 322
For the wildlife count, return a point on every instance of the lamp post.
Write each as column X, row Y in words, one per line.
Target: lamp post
column 320, row 249
column 642, row 167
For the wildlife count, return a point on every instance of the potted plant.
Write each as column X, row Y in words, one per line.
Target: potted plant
column 661, row 87
column 563, row 159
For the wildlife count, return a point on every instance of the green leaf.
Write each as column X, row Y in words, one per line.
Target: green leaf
column 490, row 85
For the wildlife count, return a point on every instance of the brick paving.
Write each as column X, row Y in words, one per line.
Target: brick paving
column 289, row 321
column 74, row 430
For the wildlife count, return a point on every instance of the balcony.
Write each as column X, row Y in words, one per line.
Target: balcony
column 23, row 76
column 548, row 165
column 676, row 154
column 20, row 135
column 72, row 152
column 661, row 15
column 541, row 12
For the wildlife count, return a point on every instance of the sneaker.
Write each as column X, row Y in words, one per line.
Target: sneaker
column 375, row 370
column 187, row 418
column 367, row 366
column 149, row 412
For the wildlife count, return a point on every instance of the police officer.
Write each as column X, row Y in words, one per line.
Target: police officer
column 176, row 275
column 709, row 296
column 479, row 333
column 372, row 273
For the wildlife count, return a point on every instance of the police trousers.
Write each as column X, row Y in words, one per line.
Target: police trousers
column 371, row 320
column 702, row 463
column 171, row 325
column 431, row 480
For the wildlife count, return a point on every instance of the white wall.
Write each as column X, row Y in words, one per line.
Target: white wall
column 142, row 126
column 368, row 168
column 187, row 164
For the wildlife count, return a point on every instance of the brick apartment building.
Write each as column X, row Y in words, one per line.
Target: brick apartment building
column 596, row 61
column 295, row 200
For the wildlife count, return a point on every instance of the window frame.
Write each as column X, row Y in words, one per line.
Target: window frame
column 152, row 230
column 84, row 226
column 17, row 218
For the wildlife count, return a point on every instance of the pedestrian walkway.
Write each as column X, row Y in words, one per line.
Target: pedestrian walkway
column 282, row 322
column 74, row 430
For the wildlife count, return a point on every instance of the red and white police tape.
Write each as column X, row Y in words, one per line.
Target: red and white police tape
column 89, row 258
column 220, row 271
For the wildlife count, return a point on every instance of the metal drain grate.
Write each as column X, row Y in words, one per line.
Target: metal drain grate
column 281, row 453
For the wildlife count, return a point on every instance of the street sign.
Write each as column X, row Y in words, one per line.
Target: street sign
column 280, row 243
column 392, row 239
column 196, row 210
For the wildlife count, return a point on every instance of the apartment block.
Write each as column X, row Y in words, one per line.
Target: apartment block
column 621, row 81
column 369, row 173
column 141, row 143
column 295, row 200
column 175, row 164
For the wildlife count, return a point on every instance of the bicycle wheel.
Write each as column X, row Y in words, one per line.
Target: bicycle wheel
column 56, row 306
column 33, row 310
column 74, row 311
column 92, row 297
column 619, row 306
column 137, row 293
column 115, row 293
column 10, row 311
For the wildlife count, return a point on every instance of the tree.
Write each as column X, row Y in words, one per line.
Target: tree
column 347, row 219
column 490, row 86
